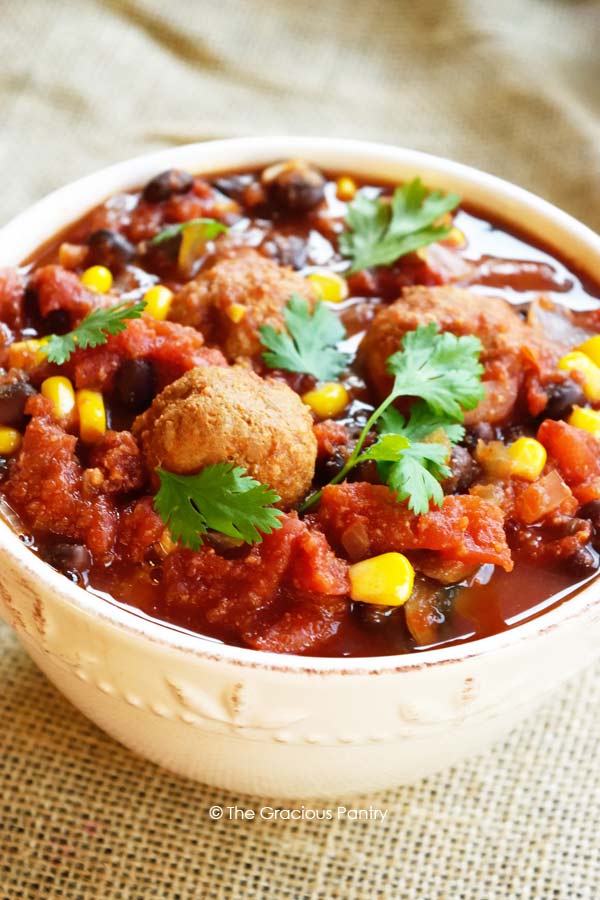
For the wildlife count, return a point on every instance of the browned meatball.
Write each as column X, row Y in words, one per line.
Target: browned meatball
column 214, row 414
column 511, row 347
column 230, row 301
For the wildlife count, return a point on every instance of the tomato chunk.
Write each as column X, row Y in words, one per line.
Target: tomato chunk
column 464, row 528
column 172, row 348
column 286, row 594
column 12, row 294
column 46, row 488
column 576, row 452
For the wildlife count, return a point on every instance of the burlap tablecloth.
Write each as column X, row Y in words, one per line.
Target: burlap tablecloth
column 513, row 87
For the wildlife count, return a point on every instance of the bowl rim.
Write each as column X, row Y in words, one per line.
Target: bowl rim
column 365, row 157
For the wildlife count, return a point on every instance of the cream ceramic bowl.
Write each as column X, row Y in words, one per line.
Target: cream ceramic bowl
column 286, row 725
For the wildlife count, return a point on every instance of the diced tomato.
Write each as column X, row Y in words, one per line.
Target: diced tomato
column 576, row 452
column 45, row 486
column 545, row 496
column 117, row 456
column 57, row 288
column 139, row 529
column 284, row 594
column 464, row 528
column 172, row 348
column 12, row 294
column 330, row 437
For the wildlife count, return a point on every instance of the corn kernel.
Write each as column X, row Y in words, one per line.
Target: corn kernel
column 346, row 188
column 10, row 440
column 26, row 354
column 588, row 419
column 587, row 370
column 591, row 348
column 236, row 312
column 387, row 580
column 158, row 301
column 528, row 458
column 327, row 400
column 60, row 391
column 92, row 415
column 329, row 286
column 456, row 238
column 97, row 279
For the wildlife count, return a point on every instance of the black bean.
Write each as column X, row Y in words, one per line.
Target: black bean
column 482, row 432
column 13, row 398
column 136, row 384
column 56, row 322
column 463, row 470
column 374, row 616
column 72, row 560
column 562, row 397
column 583, row 562
column 109, row 248
column 294, row 186
column 591, row 511
column 329, row 466
column 166, row 185
column 233, row 186
column 287, row 250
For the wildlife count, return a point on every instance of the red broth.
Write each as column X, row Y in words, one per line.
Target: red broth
column 486, row 256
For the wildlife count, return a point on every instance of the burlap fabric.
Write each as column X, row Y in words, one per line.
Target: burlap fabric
column 513, row 87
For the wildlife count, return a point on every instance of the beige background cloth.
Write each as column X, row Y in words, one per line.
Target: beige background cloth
column 511, row 86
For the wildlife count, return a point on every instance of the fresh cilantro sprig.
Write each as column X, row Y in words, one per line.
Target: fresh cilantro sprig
column 209, row 228
column 380, row 232
column 221, row 497
column 92, row 331
column 445, row 373
column 308, row 344
column 195, row 235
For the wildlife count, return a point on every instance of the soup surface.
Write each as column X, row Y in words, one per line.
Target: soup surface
column 188, row 373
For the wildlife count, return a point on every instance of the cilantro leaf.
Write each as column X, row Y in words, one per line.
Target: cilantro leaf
column 412, row 470
column 413, row 480
column 91, row 331
column 308, row 344
column 210, row 229
column 221, row 497
column 444, row 372
column 420, row 424
column 440, row 368
column 379, row 232
column 194, row 236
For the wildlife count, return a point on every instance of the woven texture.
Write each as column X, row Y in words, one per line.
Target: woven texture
column 512, row 87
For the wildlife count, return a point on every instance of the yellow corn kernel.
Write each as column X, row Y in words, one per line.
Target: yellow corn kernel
column 327, row 400
column 158, row 301
column 588, row 371
column 26, row 354
column 346, row 188
column 236, row 312
column 588, row 419
column 527, row 458
column 97, row 279
column 591, row 348
column 456, row 238
column 387, row 580
column 329, row 286
column 92, row 415
column 60, row 391
column 10, row 440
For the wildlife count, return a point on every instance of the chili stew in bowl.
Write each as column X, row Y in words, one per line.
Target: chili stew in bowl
column 298, row 412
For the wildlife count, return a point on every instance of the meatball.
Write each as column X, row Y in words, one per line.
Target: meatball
column 230, row 301
column 511, row 347
column 215, row 414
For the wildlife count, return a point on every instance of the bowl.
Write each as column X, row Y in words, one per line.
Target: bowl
column 258, row 722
